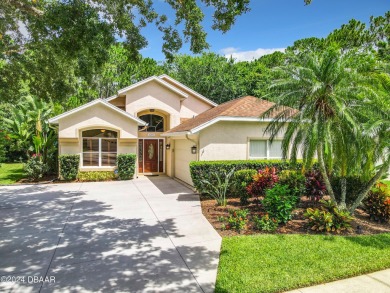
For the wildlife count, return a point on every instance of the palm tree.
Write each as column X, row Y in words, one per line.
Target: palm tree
column 335, row 94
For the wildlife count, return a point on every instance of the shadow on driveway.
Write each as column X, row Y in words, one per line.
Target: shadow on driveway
column 47, row 231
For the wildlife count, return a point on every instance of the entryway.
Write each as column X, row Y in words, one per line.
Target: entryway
column 151, row 155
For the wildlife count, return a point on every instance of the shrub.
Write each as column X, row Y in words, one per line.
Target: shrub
column 377, row 204
column 295, row 181
column 262, row 181
column 126, row 166
column 242, row 178
column 315, row 187
column 201, row 170
column 35, row 168
column 69, row 166
column 237, row 220
column 354, row 185
column 279, row 202
column 218, row 188
column 328, row 218
column 265, row 223
column 96, row 176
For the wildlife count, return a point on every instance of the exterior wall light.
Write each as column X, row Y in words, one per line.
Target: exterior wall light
column 193, row 150
column 167, row 146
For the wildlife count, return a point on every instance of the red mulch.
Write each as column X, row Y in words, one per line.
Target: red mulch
column 295, row 226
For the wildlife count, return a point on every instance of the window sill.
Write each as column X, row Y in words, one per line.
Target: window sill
column 97, row 168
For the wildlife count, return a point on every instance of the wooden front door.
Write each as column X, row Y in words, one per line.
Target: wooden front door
column 150, row 155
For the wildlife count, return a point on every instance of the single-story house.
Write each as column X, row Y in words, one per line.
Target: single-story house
column 167, row 125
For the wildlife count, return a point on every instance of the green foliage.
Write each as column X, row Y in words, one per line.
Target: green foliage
column 262, row 181
column 201, row 170
column 218, row 187
column 35, row 168
column 265, row 223
column 28, row 128
column 295, row 181
column 236, row 220
column 69, row 166
column 3, row 138
column 279, row 202
column 315, row 187
column 328, row 218
column 85, row 176
column 126, row 166
column 354, row 185
column 241, row 179
column 377, row 203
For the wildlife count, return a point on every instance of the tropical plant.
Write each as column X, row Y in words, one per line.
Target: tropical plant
column 242, row 178
column 295, row 181
column 279, row 202
column 219, row 189
column 328, row 218
column 262, row 181
column 35, row 168
column 28, row 127
column 315, row 187
column 334, row 105
column 377, row 204
column 236, row 220
column 265, row 223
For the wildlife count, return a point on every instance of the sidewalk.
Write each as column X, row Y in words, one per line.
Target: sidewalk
column 378, row 282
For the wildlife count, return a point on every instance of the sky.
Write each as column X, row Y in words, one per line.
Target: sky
column 272, row 25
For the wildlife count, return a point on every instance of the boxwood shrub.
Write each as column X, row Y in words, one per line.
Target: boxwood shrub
column 126, row 166
column 201, row 170
column 86, row 176
column 69, row 166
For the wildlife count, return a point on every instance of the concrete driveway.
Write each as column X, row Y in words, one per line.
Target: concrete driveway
column 144, row 235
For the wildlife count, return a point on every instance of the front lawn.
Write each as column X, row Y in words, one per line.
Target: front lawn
column 275, row 263
column 11, row 173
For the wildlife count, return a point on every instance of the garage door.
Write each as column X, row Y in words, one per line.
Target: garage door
column 183, row 157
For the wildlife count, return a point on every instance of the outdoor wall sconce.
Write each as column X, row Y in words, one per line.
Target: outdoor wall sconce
column 193, row 150
column 167, row 146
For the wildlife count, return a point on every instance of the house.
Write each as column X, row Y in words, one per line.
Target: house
column 167, row 125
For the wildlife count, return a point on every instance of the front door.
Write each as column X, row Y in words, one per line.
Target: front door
column 150, row 155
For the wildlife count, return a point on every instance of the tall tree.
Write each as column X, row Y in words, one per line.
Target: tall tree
column 336, row 93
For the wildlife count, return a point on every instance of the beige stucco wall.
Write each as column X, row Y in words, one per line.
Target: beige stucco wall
column 229, row 140
column 97, row 116
column 153, row 95
column 182, row 159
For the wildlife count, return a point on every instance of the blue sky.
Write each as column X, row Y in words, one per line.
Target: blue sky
column 272, row 25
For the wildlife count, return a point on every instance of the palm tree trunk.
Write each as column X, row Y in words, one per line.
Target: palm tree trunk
column 324, row 173
column 362, row 194
column 343, row 182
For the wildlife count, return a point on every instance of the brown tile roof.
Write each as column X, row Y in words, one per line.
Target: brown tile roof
column 242, row 107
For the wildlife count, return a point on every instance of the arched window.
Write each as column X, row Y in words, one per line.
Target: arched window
column 99, row 148
column 155, row 123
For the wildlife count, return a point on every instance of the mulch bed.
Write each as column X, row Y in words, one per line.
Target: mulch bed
column 295, row 226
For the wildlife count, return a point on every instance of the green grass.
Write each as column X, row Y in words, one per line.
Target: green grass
column 275, row 263
column 11, row 173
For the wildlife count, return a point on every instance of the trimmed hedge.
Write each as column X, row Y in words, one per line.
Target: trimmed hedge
column 201, row 170
column 69, row 166
column 86, row 176
column 126, row 166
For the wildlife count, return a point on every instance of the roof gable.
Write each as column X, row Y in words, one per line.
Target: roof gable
column 55, row 119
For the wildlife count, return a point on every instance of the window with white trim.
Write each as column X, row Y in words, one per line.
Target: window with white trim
column 99, row 148
column 264, row 149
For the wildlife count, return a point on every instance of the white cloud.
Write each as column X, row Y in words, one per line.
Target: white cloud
column 238, row 55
